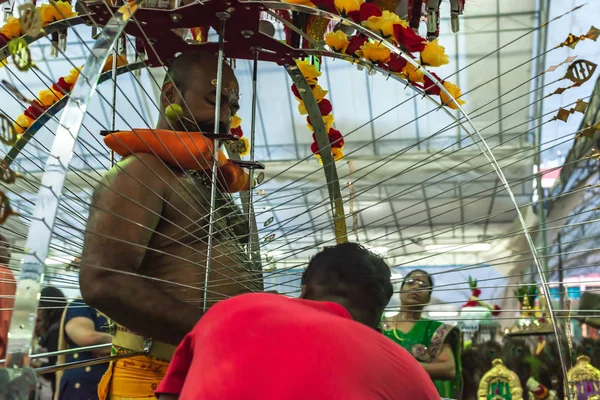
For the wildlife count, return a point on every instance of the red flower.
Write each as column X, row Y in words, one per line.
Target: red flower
column 3, row 40
column 430, row 87
column 409, row 39
column 314, row 147
column 476, row 292
column 396, row 63
column 295, row 91
column 497, row 311
column 355, row 42
column 325, row 107
column 335, row 138
column 237, row 131
column 471, row 303
column 366, row 10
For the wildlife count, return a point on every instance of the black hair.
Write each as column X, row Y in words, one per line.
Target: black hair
column 52, row 303
column 427, row 275
column 352, row 276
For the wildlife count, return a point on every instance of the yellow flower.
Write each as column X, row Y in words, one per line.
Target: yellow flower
column 310, row 72
column 56, row 11
column 455, row 92
column 346, row 6
column 246, row 150
column 47, row 97
column 434, row 55
column 3, row 63
column 12, row 28
column 302, row 108
column 384, row 25
column 413, row 74
column 128, row 9
column 337, row 41
column 72, row 77
column 300, row 2
column 338, row 153
column 22, row 123
column 121, row 60
column 236, row 121
column 374, row 52
column 319, row 93
column 57, row 93
column 328, row 120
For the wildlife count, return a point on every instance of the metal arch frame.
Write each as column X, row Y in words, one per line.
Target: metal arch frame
column 46, row 206
column 54, row 109
column 473, row 132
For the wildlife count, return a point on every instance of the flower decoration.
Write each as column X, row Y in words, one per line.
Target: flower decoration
column 434, row 54
column 56, row 11
column 413, row 73
column 409, row 39
column 54, row 93
column 374, row 52
column 355, row 44
column 384, row 24
column 337, row 41
column 366, row 11
column 475, row 301
column 347, row 6
column 454, row 92
column 301, row 2
column 311, row 74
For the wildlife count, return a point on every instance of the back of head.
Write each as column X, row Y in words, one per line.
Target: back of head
column 53, row 302
column 350, row 275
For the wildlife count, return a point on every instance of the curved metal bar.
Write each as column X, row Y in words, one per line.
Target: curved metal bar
column 78, row 364
column 49, row 194
column 329, row 167
column 54, row 109
column 481, row 144
column 48, row 30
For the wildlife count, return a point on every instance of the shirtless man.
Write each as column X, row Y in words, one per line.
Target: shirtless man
column 148, row 220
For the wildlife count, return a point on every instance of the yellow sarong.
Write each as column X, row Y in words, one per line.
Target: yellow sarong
column 132, row 378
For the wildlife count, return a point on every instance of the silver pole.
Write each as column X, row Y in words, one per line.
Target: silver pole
column 251, row 245
column 213, row 186
column 68, row 351
column 113, row 121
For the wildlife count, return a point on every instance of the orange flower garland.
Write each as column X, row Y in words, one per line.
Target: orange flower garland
column 47, row 97
column 311, row 74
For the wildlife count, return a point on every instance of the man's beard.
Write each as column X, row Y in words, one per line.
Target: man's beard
column 202, row 126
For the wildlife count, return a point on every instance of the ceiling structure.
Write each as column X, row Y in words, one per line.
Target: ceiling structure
column 411, row 179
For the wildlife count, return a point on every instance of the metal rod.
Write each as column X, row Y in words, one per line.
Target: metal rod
column 78, row 364
column 213, row 186
column 68, row 351
column 250, row 210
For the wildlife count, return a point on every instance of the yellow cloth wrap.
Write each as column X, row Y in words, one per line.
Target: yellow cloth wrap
column 131, row 378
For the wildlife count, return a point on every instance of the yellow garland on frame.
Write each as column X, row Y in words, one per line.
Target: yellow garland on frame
column 311, row 74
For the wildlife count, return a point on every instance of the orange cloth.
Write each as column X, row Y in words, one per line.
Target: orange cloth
column 8, row 288
column 189, row 150
column 131, row 378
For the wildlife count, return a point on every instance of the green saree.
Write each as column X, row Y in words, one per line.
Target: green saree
column 425, row 342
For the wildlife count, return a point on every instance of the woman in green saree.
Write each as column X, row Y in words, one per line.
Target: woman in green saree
column 434, row 344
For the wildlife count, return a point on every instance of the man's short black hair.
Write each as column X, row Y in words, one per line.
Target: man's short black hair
column 427, row 275
column 353, row 276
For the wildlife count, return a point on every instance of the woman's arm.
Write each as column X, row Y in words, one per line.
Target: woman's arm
column 444, row 367
column 82, row 332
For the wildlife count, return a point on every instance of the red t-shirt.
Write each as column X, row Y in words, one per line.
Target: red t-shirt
column 269, row 347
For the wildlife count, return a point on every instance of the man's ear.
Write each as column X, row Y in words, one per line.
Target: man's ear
column 169, row 95
column 304, row 292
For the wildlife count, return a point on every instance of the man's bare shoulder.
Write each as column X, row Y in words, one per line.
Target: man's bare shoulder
column 142, row 168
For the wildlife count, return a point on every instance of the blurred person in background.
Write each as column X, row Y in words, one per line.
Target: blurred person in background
column 47, row 330
column 435, row 345
column 8, row 288
column 81, row 326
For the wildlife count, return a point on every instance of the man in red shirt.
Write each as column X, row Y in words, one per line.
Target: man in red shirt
column 322, row 346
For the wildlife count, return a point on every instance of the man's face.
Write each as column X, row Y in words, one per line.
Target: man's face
column 415, row 291
column 200, row 95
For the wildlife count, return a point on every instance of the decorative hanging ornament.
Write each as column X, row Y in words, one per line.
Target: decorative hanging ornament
column 8, row 134
column 7, row 175
column 31, row 22
column 21, row 56
column 269, row 221
column 580, row 71
column 5, row 208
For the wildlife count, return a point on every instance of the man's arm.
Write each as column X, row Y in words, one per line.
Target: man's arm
column 124, row 213
column 444, row 367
